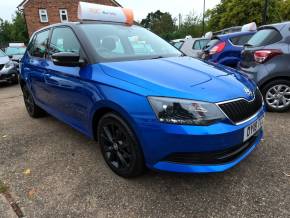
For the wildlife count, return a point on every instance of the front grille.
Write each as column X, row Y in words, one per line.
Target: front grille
column 1, row 66
column 241, row 109
column 218, row 157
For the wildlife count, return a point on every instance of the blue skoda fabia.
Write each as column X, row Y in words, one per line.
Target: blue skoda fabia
column 146, row 104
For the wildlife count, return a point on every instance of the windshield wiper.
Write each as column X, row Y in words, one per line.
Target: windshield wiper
column 158, row 57
column 248, row 45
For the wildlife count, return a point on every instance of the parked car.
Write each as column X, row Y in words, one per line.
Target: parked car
column 265, row 59
column 15, row 51
column 192, row 46
column 226, row 49
column 8, row 72
column 150, row 108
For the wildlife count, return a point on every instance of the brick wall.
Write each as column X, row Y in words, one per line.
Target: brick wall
column 31, row 11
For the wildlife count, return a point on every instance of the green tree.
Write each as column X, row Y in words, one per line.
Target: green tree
column 19, row 31
column 238, row 12
column 5, row 29
column 192, row 26
column 285, row 10
column 14, row 31
column 160, row 23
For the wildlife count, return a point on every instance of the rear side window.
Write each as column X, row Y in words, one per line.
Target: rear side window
column 240, row 40
column 63, row 39
column 265, row 37
column 200, row 44
column 39, row 45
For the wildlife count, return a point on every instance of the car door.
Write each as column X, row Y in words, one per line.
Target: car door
column 35, row 66
column 70, row 93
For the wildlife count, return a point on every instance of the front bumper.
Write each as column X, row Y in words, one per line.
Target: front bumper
column 206, row 168
column 9, row 74
column 161, row 141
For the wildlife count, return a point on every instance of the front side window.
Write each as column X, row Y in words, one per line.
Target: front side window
column 63, row 15
column 63, row 39
column 43, row 15
column 117, row 42
column 38, row 47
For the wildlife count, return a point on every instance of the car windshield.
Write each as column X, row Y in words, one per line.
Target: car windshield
column 2, row 54
column 118, row 42
column 265, row 37
column 15, row 51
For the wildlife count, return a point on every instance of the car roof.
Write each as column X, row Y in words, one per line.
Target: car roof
column 58, row 24
column 73, row 24
column 229, row 35
column 278, row 26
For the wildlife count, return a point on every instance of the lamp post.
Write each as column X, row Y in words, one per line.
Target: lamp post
column 265, row 13
column 203, row 27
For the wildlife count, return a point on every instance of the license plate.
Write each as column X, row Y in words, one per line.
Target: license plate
column 253, row 129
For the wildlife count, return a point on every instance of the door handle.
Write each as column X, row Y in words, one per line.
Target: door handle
column 50, row 80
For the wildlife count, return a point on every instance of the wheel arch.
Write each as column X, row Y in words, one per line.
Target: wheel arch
column 105, row 107
column 268, row 80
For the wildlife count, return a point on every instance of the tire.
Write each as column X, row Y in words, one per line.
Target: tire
column 33, row 110
column 15, row 80
column 277, row 95
column 119, row 146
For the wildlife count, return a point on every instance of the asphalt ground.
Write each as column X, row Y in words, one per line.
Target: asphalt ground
column 51, row 170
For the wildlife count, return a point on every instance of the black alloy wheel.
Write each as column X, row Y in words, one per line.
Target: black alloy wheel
column 32, row 109
column 119, row 146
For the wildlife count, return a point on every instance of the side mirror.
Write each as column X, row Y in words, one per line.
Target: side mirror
column 67, row 59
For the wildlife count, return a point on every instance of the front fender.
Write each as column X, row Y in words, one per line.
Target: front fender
column 134, row 109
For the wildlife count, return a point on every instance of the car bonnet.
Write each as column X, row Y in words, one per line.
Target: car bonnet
column 182, row 77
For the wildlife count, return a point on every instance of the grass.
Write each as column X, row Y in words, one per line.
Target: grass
column 3, row 187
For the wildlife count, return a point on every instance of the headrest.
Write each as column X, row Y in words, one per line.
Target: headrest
column 109, row 43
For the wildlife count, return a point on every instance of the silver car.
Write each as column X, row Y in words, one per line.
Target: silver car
column 191, row 46
column 8, row 71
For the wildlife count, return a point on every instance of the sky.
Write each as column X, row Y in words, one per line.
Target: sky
column 141, row 7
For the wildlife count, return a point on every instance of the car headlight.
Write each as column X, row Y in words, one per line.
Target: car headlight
column 9, row 64
column 185, row 112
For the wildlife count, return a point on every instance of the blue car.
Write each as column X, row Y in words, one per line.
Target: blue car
column 226, row 49
column 146, row 104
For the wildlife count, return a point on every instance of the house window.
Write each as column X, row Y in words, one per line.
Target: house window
column 63, row 15
column 43, row 15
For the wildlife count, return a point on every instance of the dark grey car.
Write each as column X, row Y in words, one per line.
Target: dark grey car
column 266, row 60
